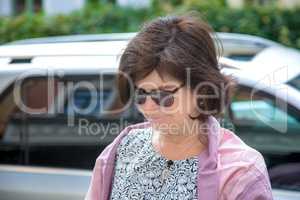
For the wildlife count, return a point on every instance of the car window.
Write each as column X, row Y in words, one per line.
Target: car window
column 253, row 110
column 241, row 57
column 82, row 98
column 260, row 109
column 295, row 82
column 93, row 97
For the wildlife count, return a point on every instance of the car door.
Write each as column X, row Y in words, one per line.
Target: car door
column 265, row 122
column 18, row 179
column 271, row 126
column 82, row 115
column 59, row 130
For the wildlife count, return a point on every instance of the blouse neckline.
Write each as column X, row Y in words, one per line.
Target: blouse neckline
column 149, row 140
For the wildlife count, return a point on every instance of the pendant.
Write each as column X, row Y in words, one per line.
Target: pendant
column 165, row 173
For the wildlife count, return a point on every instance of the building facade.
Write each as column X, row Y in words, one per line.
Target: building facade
column 53, row 7
column 50, row 7
column 280, row 3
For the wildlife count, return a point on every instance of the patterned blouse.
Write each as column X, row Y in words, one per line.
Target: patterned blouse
column 139, row 167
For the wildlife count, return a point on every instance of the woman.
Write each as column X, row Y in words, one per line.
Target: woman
column 180, row 152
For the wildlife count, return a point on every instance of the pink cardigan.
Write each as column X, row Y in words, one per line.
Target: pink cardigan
column 227, row 170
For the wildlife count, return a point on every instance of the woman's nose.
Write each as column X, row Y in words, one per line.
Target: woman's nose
column 150, row 105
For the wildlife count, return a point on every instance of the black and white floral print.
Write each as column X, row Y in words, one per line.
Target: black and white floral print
column 138, row 170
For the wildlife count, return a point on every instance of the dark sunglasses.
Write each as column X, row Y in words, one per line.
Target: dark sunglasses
column 160, row 97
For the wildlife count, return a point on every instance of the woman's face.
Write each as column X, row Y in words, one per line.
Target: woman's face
column 174, row 117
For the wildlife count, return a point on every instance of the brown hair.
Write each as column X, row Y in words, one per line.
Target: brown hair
column 173, row 45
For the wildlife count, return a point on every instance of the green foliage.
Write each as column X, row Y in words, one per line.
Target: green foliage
column 269, row 22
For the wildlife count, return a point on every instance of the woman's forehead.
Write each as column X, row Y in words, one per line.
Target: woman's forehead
column 155, row 81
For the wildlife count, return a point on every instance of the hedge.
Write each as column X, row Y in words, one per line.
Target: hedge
column 269, row 22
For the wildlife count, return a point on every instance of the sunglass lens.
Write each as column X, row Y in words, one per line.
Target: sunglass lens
column 140, row 96
column 141, row 99
column 166, row 99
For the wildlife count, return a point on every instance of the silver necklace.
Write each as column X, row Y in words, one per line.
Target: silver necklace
column 166, row 171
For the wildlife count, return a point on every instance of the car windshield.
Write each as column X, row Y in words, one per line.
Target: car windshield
column 295, row 82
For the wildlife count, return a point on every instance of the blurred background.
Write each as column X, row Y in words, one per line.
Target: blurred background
column 277, row 20
column 59, row 107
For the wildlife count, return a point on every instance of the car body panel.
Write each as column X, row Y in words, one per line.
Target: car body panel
column 62, row 184
column 35, row 183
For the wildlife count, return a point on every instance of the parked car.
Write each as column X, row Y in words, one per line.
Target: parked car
column 245, row 52
column 239, row 47
column 278, row 61
column 53, row 145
